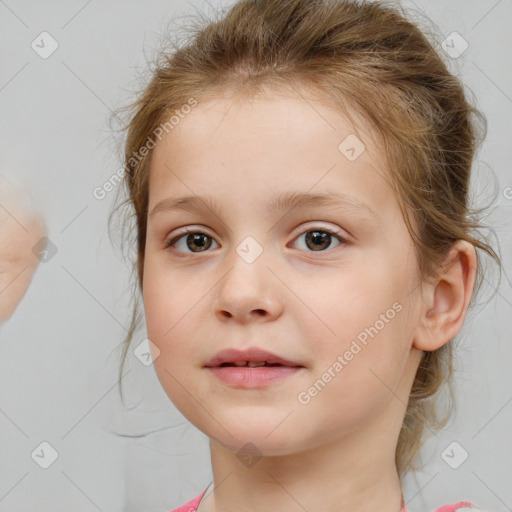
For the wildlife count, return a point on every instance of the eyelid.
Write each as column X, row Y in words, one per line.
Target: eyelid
column 186, row 231
column 315, row 226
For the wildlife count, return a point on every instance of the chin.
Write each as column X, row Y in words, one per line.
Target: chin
column 254, row 442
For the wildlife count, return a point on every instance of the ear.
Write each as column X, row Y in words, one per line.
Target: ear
column 446, row 300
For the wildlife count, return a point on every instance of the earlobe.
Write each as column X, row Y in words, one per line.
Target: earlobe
column 446, row 300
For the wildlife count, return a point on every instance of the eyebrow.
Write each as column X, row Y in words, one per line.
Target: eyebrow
column 286, row 201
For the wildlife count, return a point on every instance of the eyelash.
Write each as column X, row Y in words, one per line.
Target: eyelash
column 189, row 231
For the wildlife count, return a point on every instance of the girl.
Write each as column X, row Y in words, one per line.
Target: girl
column 299, row 176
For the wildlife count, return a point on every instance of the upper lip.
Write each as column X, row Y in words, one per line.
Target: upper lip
column 253, row 354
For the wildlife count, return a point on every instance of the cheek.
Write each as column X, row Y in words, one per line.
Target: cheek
column 358, row 316
column 172, row 309
column 170, row 326
column 169, row 298
column 341, row 304
column 356, row 380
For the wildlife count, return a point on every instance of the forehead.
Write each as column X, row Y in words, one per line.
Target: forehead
column 278, row 142
column 280, row 119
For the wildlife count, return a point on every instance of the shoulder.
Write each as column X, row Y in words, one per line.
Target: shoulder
column 461, row 506
column 191, row 506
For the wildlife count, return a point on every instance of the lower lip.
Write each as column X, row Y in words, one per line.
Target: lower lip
column 247, row 377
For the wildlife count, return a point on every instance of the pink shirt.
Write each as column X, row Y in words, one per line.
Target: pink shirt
column 191, row 506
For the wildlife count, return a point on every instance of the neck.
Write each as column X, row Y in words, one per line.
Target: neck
column 335, row 477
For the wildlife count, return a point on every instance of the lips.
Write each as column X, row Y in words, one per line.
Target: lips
column 252, row 357
column 253, row 368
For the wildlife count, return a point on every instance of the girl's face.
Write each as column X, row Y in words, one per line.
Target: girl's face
column 262, row 273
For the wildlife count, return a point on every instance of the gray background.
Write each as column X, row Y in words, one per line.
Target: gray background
column 58, row 359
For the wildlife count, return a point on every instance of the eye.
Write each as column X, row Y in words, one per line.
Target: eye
column 192, row 240
column 317, row 240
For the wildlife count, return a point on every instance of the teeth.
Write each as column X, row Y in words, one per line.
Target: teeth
column 252, row 364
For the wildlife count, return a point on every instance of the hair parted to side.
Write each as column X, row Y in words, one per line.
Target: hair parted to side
column 362, row 57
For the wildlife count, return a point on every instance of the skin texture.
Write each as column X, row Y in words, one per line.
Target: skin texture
column 337, row 452
column 20, row 230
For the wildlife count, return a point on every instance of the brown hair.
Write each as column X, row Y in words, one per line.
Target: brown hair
column 361, row 54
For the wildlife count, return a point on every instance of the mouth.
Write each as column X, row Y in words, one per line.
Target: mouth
column 252, row 364
column 252, row 358
column 252, row 368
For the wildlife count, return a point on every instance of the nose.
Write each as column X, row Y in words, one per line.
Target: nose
column 248, row 292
